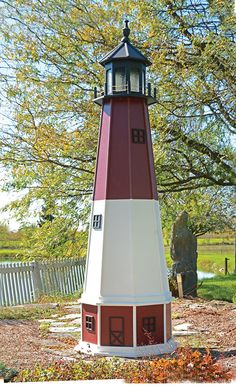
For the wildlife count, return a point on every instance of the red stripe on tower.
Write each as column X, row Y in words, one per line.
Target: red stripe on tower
column 125, row 167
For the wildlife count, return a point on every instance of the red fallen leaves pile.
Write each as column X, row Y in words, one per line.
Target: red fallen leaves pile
column 183, row 365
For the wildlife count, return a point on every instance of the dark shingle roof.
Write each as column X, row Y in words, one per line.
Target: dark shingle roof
column 125, row 50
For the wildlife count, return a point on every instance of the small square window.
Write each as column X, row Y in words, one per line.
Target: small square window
column 97, row 222
column 138, row 136
column 89, row 323
column 149, row 324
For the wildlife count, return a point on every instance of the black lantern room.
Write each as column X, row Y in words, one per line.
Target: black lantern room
column 125, row 72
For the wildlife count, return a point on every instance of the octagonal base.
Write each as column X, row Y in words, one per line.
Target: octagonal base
column 127, row 352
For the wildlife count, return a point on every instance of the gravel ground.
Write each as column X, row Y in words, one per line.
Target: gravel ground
column 22, row 345
column 215, row 324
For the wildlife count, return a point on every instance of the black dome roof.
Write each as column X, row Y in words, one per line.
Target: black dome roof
column 125, row 50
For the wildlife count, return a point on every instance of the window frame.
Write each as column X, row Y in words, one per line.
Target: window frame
column 97, row 222
column 139, row 136
column 90, row 323
column 149, row 324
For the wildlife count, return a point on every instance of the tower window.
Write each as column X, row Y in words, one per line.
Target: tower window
column 97, row 222
column 149, row 324
column 138, row 136
column 89, row 323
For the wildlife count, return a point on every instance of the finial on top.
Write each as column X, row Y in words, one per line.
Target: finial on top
column 126, row 32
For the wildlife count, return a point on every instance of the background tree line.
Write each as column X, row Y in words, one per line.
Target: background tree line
column 49, row 131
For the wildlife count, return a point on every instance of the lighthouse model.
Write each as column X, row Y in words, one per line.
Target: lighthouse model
column 126, row 304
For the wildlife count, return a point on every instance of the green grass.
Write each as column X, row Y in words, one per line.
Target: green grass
column 59, row 298
column 27, row 313
column 215, row 262
column 218, row 288
column 44, row 329
column 36, row 312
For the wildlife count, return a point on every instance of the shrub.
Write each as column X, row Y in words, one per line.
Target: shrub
column 183, row 365
column 58, row 297
column 173, row 286
column 7, row 374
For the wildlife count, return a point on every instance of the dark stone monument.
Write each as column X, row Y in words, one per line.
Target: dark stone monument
column 183, row 251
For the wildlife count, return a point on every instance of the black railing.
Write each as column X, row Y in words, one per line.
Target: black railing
column 125, row 90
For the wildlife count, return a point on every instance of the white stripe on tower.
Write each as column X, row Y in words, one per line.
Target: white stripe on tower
column 126, row 254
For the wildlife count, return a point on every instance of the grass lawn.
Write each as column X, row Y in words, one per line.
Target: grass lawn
column 214, row 261
column 218, row 288
column 24, row 313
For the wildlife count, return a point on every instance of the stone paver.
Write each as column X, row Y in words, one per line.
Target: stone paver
column 184, row 333
column 70, row 316
column 73, row 307
column 76, row 321
column 182, row 327
column 64, row 329
column 59, row 324
column 183, row 330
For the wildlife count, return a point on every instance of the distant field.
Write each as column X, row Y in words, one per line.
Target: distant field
column 216, row 241
column 211, row 239
column 10, row 254
column 211, row 258
column 7, row 244
column 10, row 249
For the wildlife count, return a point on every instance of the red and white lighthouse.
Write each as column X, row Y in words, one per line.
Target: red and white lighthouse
column 126, row 304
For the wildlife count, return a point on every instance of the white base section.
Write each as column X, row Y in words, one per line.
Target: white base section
column 129, row 352
column 126, row 260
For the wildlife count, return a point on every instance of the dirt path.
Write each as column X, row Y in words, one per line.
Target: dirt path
column 209, row 324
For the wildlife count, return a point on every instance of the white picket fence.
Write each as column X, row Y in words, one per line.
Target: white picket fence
column 24, row 282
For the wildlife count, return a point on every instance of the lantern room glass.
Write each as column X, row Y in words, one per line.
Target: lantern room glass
column 125, row 78
column 143, row 82
column 134, row 79
column 109, row 81
column 120, row 79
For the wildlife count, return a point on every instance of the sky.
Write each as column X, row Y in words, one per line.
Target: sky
column 6, row 217
column 6, row 198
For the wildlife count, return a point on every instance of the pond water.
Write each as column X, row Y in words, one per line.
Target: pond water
column 203, row 274
column 200, row 274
